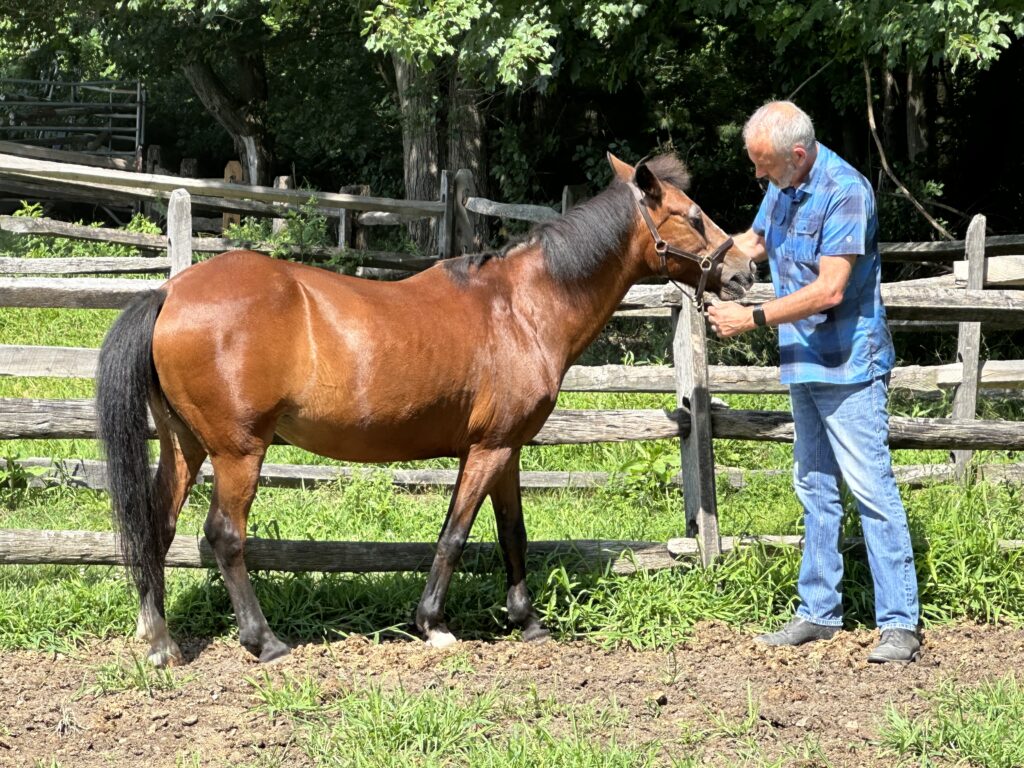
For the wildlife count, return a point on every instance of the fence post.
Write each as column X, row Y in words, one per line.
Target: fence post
column 233, row 175
column 348, row 235
column 280, row 182
column 466, row 238
column 179, row 230
column 446, row 221
column 968, row 353
column 689, row 354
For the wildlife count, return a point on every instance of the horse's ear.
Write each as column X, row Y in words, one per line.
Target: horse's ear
column 623, row 171
column 649, row 184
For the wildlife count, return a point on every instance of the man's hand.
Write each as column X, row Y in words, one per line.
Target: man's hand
column 729, row 319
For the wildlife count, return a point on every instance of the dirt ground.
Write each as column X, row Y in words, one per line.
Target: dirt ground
column 50, row 710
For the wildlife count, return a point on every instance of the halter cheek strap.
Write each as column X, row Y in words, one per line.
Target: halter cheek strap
column 664, row 249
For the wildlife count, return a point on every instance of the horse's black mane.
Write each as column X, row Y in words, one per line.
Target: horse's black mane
column 576, row 244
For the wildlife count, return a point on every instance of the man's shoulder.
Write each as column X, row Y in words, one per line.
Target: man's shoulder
column 838, row 172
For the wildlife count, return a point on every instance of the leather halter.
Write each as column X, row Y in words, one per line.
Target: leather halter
column 664, row 249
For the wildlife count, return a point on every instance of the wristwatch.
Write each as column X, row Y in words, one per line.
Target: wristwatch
column 759, row 319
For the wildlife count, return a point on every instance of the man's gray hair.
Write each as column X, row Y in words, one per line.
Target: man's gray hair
column 783, row 123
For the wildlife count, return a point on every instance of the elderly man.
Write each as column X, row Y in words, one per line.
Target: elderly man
column 818, row 228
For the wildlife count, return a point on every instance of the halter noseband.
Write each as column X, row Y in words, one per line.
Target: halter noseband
column 664, row 249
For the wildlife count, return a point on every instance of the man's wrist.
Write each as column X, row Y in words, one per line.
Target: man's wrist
column 757, row 312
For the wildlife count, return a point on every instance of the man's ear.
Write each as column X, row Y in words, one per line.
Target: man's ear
column 623, row 171
column 644, row 178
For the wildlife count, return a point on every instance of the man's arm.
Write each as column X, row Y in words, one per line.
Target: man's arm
column 729, row 318
column 751, row 244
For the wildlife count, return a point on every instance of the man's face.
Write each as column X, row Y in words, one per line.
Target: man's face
column 779, row 169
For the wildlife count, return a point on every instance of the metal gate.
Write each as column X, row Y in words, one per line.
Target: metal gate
column 102, row 117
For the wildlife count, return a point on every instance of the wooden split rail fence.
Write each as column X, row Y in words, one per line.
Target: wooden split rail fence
column 988, row 295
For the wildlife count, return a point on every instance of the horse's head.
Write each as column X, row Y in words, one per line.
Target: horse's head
column 677, row 239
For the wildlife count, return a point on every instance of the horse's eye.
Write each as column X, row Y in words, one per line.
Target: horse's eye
column 696, row 218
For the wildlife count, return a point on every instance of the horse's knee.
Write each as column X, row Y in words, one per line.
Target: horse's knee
column 224, row 536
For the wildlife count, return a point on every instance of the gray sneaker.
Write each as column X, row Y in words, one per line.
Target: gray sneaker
column 797, row 632
column 899, row 645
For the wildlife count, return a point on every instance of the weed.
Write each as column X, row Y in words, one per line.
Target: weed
column 293, row 697
column 135, row 675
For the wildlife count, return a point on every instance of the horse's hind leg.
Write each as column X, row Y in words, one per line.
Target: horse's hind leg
column 234, row 486
column 181, row 456
column 506, row 497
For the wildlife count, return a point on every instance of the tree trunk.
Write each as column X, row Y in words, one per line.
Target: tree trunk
column 416, row 93
column 943, row 108
column 890, row 100
column 917, row 114
column 242, row 116
column 466, row 142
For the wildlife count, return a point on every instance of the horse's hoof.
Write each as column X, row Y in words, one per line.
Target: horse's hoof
column 440, row 639
column 167, row 656
column 536, row 633
column 273, row 651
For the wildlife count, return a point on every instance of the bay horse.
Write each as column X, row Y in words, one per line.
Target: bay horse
column 464, row 359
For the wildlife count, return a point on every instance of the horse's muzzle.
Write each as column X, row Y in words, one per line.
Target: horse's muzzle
column 736, row 285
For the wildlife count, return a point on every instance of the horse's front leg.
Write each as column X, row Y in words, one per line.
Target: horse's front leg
column 507, row 499
column 477, row 474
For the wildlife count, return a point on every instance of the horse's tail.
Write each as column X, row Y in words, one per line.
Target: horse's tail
column 124, row 379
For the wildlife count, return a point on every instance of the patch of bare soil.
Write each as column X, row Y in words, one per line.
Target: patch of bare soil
column 51, row 709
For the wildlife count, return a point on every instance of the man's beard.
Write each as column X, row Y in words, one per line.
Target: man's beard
column 786, row 180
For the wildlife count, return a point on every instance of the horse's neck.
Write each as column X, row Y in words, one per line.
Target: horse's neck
column 570, row 315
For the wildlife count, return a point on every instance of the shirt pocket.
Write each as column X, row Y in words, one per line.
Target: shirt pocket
column 805, row 234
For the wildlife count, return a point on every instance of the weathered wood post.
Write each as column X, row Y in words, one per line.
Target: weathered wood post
column 689, row 354
column 280, row 182
column 968, row 353
column 466, row 237
column 179, row 230
column 348, row 235
column 233, row 174
column 446, row 221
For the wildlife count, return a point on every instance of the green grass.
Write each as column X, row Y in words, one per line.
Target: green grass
column 965, row 725
column 962, row 573
column 379, row 727
column 133, row 674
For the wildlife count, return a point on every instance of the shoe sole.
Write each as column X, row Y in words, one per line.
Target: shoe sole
column 879, row 660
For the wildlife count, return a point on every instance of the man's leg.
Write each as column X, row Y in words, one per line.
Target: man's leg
column 857, row 420
column 816, row 482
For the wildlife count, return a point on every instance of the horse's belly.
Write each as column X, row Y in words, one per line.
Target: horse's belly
column 371, row 442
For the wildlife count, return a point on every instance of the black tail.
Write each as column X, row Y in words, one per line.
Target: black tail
column 124, row 379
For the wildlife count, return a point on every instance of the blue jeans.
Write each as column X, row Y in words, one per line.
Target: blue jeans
column 842, row 433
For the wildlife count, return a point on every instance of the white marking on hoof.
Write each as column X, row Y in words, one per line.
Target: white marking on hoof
column 166, row 655
column 441, row 639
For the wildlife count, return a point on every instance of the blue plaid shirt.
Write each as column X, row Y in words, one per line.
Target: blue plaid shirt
column 831, row 214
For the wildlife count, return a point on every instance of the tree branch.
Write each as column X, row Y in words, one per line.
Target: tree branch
column 805, row 82
column 885, row 162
